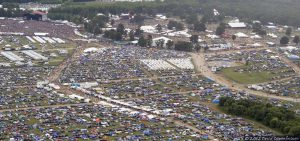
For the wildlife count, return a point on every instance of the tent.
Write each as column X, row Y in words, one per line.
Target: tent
column 241, row 35
column 237, row 25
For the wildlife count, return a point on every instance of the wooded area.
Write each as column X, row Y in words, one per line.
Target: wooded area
column 282, row 12
column 278, row 118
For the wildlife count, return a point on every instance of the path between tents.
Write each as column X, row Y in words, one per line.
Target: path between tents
column 106, row 100
column 46, row 106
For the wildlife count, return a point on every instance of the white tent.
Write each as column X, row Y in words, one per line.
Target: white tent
column 148, row 29
column 237, row 25
column 272, row 35
column 89, row 50
column 241, row 35
column 289, row 48
column 213, row 36
column 255, row 37
column 164, row 39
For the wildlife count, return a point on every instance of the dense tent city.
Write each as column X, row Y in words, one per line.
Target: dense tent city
column 157, row 70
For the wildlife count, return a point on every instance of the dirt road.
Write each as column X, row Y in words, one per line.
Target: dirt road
column 201, row 66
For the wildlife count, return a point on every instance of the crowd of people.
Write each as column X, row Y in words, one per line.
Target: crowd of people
column 29, row 27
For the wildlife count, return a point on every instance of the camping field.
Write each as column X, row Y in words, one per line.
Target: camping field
column 247, row 78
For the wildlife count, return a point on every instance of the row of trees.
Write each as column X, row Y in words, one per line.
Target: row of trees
column 10, row 10
column 283, row 12
column 258, row 29
column 175, row 25
column 119, row 33
column 148, row 42
column 94, row 26
column 285, row 40
column 71, row 11
column 278, row 118
column 180, row 46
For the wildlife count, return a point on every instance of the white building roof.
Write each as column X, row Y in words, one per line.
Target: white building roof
column 237, row 25
column 161, row 38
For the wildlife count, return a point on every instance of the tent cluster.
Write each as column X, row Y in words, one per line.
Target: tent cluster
column 88, row 122
column 118, row 63
column 288, row 87
column 23, row 76
column 256, row 61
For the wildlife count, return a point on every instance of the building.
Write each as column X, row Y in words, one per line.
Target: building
column 163, row 39
column 36, row 15
column 237, row 25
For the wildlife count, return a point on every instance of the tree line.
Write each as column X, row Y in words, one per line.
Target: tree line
column 10, row 10
column 278, row 118
column 285, row 12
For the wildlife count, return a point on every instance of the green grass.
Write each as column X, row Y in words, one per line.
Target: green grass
column 246, row 77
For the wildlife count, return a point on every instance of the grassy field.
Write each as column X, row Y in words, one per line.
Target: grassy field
column 247, row 78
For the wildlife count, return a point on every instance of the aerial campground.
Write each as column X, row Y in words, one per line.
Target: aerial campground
column 149, row 70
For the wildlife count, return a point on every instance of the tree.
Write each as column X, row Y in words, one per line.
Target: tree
column 220, row 29
column 159, row 28
column 295, row 131
column 197, row 47
column 194, row 39
column 204, row 19
column 200, row 27
column 192, row 18
column 175, row 24
column 179, row 26
column 262, row 32
column 274, row 122
column 233, row 37
column 138, row 31
column 131, row 35
column 288, row 31
column 171, row 24
column 183, row 46
column 112, row 22
column 296, row 40
column 160, row 43
column 256, row 27
column 118, row 36
column 139, row 19
column 284, row 40
column 149, row 40
column 142, row 42
column 169, row 44
column 97, row 30
column 278, row 118
column 121, row 29
column 206, row 47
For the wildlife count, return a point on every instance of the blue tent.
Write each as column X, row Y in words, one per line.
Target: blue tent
column 216, row 101
column 147, row 132
column 294, row 57
column 204, row 137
